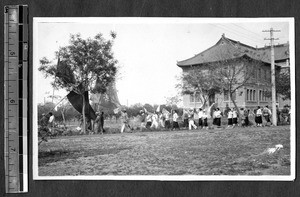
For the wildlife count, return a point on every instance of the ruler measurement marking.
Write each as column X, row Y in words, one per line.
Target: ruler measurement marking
column 16, row 54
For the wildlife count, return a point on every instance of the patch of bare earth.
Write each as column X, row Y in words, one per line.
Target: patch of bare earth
column 238, row 151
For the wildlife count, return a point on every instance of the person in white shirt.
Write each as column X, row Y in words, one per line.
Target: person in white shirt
column 234, row 117
column 204, row 119
column 175, row 124
column 229, row 117
column 51, row 122
column 154, row 121
column 258, row 117
column 218, row 116
column 161, row 120
column 191, row 119
column 200, row 115
column 125, row 120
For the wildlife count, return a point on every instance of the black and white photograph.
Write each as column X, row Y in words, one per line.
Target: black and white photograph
column 181, row 99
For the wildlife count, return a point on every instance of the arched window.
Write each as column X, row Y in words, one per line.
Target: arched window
column 250, row 99
column 254, row 95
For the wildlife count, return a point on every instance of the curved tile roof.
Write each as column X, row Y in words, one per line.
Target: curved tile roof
column 226, row 49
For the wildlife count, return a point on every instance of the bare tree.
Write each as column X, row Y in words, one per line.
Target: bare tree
column 233, row 73
column 200, row 81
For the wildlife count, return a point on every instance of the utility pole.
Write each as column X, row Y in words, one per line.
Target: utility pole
column 274, row 113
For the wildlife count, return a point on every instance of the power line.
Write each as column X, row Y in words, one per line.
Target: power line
column 247, row 30
column 261, row 43
column 254, row 39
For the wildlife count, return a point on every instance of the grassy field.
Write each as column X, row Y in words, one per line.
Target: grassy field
column 238, row 151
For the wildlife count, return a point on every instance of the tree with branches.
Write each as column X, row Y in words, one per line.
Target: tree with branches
column 199, row 80
column 234, row 73
column 85, row 65
column 283, row 84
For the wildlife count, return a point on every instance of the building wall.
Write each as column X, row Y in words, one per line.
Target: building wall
column 259, row 82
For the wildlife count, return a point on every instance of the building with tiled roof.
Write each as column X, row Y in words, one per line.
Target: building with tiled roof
column 252, row 94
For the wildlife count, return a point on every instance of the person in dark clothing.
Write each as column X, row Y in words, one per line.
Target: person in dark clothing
column 102, row 122
column 246, row 115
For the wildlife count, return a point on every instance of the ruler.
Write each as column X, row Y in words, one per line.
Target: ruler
column 16, row 98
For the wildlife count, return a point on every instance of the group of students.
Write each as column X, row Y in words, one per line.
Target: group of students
column 170, row 120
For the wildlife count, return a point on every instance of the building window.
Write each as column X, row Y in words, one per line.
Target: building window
column 253, row 72
column 259, row 96
column 254, row 95
column 192, row 98
column 250, row 98
column 259, row 73
column 264, row 95
column 195, row 98
column 234, row 95
column 247, row 94
column 226, row 95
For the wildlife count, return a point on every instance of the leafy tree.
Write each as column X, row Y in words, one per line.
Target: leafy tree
column 283, row 85
column 83, row 65
column 173, row 100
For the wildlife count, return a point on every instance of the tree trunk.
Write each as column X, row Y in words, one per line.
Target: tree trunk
column 83, row 115
column 237, row 109
column 63, row 116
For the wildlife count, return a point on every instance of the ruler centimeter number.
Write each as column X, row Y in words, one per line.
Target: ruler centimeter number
column 16, row 98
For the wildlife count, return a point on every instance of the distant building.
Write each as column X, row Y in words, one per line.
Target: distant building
column 251, row 95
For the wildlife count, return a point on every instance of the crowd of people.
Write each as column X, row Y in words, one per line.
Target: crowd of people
column 189, row 119
column 204, row 119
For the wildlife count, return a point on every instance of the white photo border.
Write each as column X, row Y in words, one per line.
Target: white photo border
column 137, row 20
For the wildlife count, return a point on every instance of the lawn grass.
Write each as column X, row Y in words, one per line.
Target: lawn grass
column 238, row 151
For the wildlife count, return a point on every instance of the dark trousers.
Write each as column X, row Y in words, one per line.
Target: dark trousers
column 200, row 122
column 185, row 123
column 167, row 124
column 218, row 121
column 205, row 122
column 175, row 125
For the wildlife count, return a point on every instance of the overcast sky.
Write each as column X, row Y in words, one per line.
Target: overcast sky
column 147, row 49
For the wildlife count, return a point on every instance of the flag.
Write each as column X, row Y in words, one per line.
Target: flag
column 117, row 110
column 76, row 101
column 158, row 109
column 164, row 111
